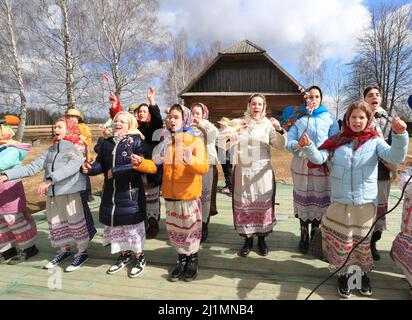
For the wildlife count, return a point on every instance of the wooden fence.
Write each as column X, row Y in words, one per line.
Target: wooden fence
column 45, row 132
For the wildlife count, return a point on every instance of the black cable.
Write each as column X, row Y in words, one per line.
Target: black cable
column 367, row 235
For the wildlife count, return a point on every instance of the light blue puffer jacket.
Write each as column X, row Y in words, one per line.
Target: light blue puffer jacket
column 320, row 128
column 354, row 174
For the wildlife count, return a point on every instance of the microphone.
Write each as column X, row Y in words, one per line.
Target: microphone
column 381, row 113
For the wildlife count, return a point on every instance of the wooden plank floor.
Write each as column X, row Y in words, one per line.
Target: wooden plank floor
column 283, row 274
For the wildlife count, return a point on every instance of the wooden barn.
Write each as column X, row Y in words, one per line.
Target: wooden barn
column 226, row 84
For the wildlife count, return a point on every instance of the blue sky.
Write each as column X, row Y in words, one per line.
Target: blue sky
column 281, row 27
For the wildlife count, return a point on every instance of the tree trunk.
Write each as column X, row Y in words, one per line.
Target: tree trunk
column 17, row 73
column 68, row 56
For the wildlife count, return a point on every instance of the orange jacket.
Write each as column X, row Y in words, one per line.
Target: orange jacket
column 181, row 180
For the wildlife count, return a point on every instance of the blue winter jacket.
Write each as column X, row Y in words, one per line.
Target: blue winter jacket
column 123, row 199
column 354, row 174
column 320, row 128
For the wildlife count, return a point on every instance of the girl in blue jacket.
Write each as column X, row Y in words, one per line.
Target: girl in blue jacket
column 354, row 157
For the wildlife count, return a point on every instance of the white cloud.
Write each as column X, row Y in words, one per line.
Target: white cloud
column 278, row 26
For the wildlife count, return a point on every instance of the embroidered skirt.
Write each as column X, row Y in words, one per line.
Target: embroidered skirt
column 311, row 190
column 67, row 223
column 17, row 229
column 343, row 226
column 401, row 251
column 123, row 238
column 184, row 225
column 153, row 202
column 253, row 200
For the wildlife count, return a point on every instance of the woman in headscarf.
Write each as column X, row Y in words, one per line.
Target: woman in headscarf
column 254, row 186
column 311, row 187
column 206, row 131
column 184, row 162
column 354, row 157
column 123, row 158
column 18, row 230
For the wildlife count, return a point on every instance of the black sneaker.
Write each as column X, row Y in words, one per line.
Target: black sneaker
column 138, row 268
column 24, row 255
column 366, row 286
column 122, row 261
column 79, row 259
column 343, row 288
column 8, row 254
column 59, row 258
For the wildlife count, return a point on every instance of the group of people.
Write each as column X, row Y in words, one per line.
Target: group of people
column 341, row 179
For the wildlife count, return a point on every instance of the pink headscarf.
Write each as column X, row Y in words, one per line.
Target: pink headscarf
column 204, row 109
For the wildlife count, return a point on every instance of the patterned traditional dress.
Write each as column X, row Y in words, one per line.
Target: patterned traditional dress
column 254, row 186
column 401, row 251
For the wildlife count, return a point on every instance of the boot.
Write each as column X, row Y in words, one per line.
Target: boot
column 304, row 239
column 192, row 267
column 246, row 247
column 179, row 271
column 24, row 255
column 375, row 237
column 8, row 254
column 314, row 229
column 205, row 232
column 263, row 248
column 153, row 229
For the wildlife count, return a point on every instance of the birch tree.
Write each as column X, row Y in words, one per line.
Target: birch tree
column 8, row 38
column 128, row 38
column 385, row 55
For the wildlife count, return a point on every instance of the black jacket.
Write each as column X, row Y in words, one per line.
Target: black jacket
column 123, row 199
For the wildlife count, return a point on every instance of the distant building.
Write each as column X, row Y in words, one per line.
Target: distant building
column 226, row 84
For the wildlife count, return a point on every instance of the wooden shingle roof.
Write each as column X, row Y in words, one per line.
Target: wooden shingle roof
column 243, row 47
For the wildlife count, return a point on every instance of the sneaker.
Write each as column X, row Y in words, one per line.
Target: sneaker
column 79, row 259
column 226, row 190
column 122, row 261
column 343, row 288
column 366, row 286
column 59, row 258
column 24, row 255
column 138, row 268
column 8, row 254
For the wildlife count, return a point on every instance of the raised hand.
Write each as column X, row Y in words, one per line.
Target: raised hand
column 195, row 121
column 112, row 98
column 304, row 140
column 150, row 96
column 275, row 124
column 398, row 126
